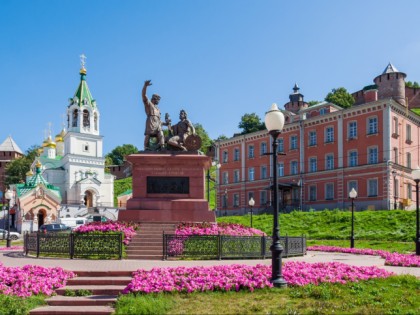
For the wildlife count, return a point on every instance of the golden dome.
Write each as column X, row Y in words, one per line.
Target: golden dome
column 38, row 164
column 50, row 143
column 40, row 150
column 30, row 173
column 60, row 136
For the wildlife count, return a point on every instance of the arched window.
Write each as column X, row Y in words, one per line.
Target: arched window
column 86, row 120
column 75, row 117
column 95, row 118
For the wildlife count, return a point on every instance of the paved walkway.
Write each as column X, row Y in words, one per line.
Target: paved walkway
column 15, row 259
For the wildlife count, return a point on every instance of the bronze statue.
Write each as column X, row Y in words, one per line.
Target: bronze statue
column 181, row 131
column 153, row 123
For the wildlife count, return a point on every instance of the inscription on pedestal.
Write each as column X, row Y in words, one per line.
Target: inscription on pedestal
column 168, row 185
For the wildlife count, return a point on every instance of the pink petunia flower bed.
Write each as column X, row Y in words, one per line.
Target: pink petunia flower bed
column 391, row 259
column 242, row 277
column 31, row 280
column 214, row 229
column 12, row 248
column 128, row 229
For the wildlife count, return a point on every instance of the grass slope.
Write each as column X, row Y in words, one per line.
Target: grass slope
column 120, row 186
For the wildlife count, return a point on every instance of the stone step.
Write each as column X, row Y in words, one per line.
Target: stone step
column 74, row 310
column 94, row 289
column 152, row 237
column 146, row 242
column 60, row 300
column 99, row 281
column 119, row 273
column 145, row 257
column 144, row 246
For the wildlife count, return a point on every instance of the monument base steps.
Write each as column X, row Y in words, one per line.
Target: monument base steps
column 105, row 287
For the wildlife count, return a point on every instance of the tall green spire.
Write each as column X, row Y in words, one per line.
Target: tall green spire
column 83, row 93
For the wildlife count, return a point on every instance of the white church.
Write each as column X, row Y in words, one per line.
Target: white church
column 74, row 160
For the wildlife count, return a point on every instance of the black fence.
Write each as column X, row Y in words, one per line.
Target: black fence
column 74, row 245
column 228, row 247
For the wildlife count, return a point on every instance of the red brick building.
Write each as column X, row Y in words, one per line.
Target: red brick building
column 9, row 151
column 371, row 146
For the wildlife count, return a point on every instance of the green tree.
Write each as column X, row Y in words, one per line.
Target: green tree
column 311, row 103
column 340, row 97
column 206, row 142
column 222, row 137
column 251, row 123
column 118, row 154
column 16, row 170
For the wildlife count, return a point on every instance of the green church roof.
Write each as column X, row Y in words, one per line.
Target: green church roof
column 83, row 94
column 36, row 180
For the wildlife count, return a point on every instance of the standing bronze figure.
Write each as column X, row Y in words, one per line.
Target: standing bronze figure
column 153, row 123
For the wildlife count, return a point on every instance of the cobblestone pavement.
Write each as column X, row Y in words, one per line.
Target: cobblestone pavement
column 15, row 258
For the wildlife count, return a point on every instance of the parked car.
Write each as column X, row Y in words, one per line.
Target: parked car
column 54, row 227
column 13, row 235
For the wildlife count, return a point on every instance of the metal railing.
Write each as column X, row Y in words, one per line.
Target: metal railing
column 74, row 245
column 228, row 247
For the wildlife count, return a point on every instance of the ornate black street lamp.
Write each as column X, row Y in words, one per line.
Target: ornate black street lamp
column 394, row 174
column 217, row 165
column 352, row 196
column 274, row 121
column 225, row 200
column 251, row 204
column 416, row 176
column 8, row 195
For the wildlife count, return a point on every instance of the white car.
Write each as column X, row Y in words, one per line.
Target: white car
column 13, row 235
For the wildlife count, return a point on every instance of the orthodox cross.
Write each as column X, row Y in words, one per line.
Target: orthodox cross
column 83, row 60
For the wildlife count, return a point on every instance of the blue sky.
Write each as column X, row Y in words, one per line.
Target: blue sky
column 216, row 59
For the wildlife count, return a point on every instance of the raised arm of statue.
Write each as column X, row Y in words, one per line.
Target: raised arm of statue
column 143, row 91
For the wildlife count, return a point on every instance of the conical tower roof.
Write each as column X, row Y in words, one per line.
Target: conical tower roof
column 9, row 145
column 83, row 94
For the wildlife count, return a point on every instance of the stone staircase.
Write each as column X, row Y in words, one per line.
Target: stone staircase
column 148, row 243
column 104, row 286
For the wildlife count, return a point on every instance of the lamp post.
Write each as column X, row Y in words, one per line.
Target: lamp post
column 274, row 121
column 217, row 165
column 416, row 176
column 352, row 196
column 8, row 196
column 251, row 203
column 394, row 174
column 225, row 200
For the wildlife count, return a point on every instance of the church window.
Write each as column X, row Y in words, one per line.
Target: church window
column 86, row 147
column 95, row 117
column 86, row 122
column 68, row 121
column 75, row 116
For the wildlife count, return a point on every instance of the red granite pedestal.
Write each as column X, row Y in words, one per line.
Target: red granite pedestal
column 168, row 188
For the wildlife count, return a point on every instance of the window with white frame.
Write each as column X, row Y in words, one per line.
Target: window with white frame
column 408, row 158
column 293, row 143
column 225, row 156
column 236, row 154
column 312, row 164
column 312, row 138
column 225, row 201
column 372, row 125
column 312, row 193
column 329, row 191
column 263, row 197
column 395, row 126
column 409, row 191
column 373, row 155
column 329, row 161
column 251, row 195
column 280, row 147
column 236, row 200
column 225, row 178
column 322, row 111
column 329, row 134
column 251, row 151
column 294, row 168
column 408, row 133
column 352, row 132
column 263, row 148
column 280, row 167
column 236, row 176
column 353, row 158
column 395, row 155
column 372, row 187
column 264, row 172
column 251, row 174
column 352, row 184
